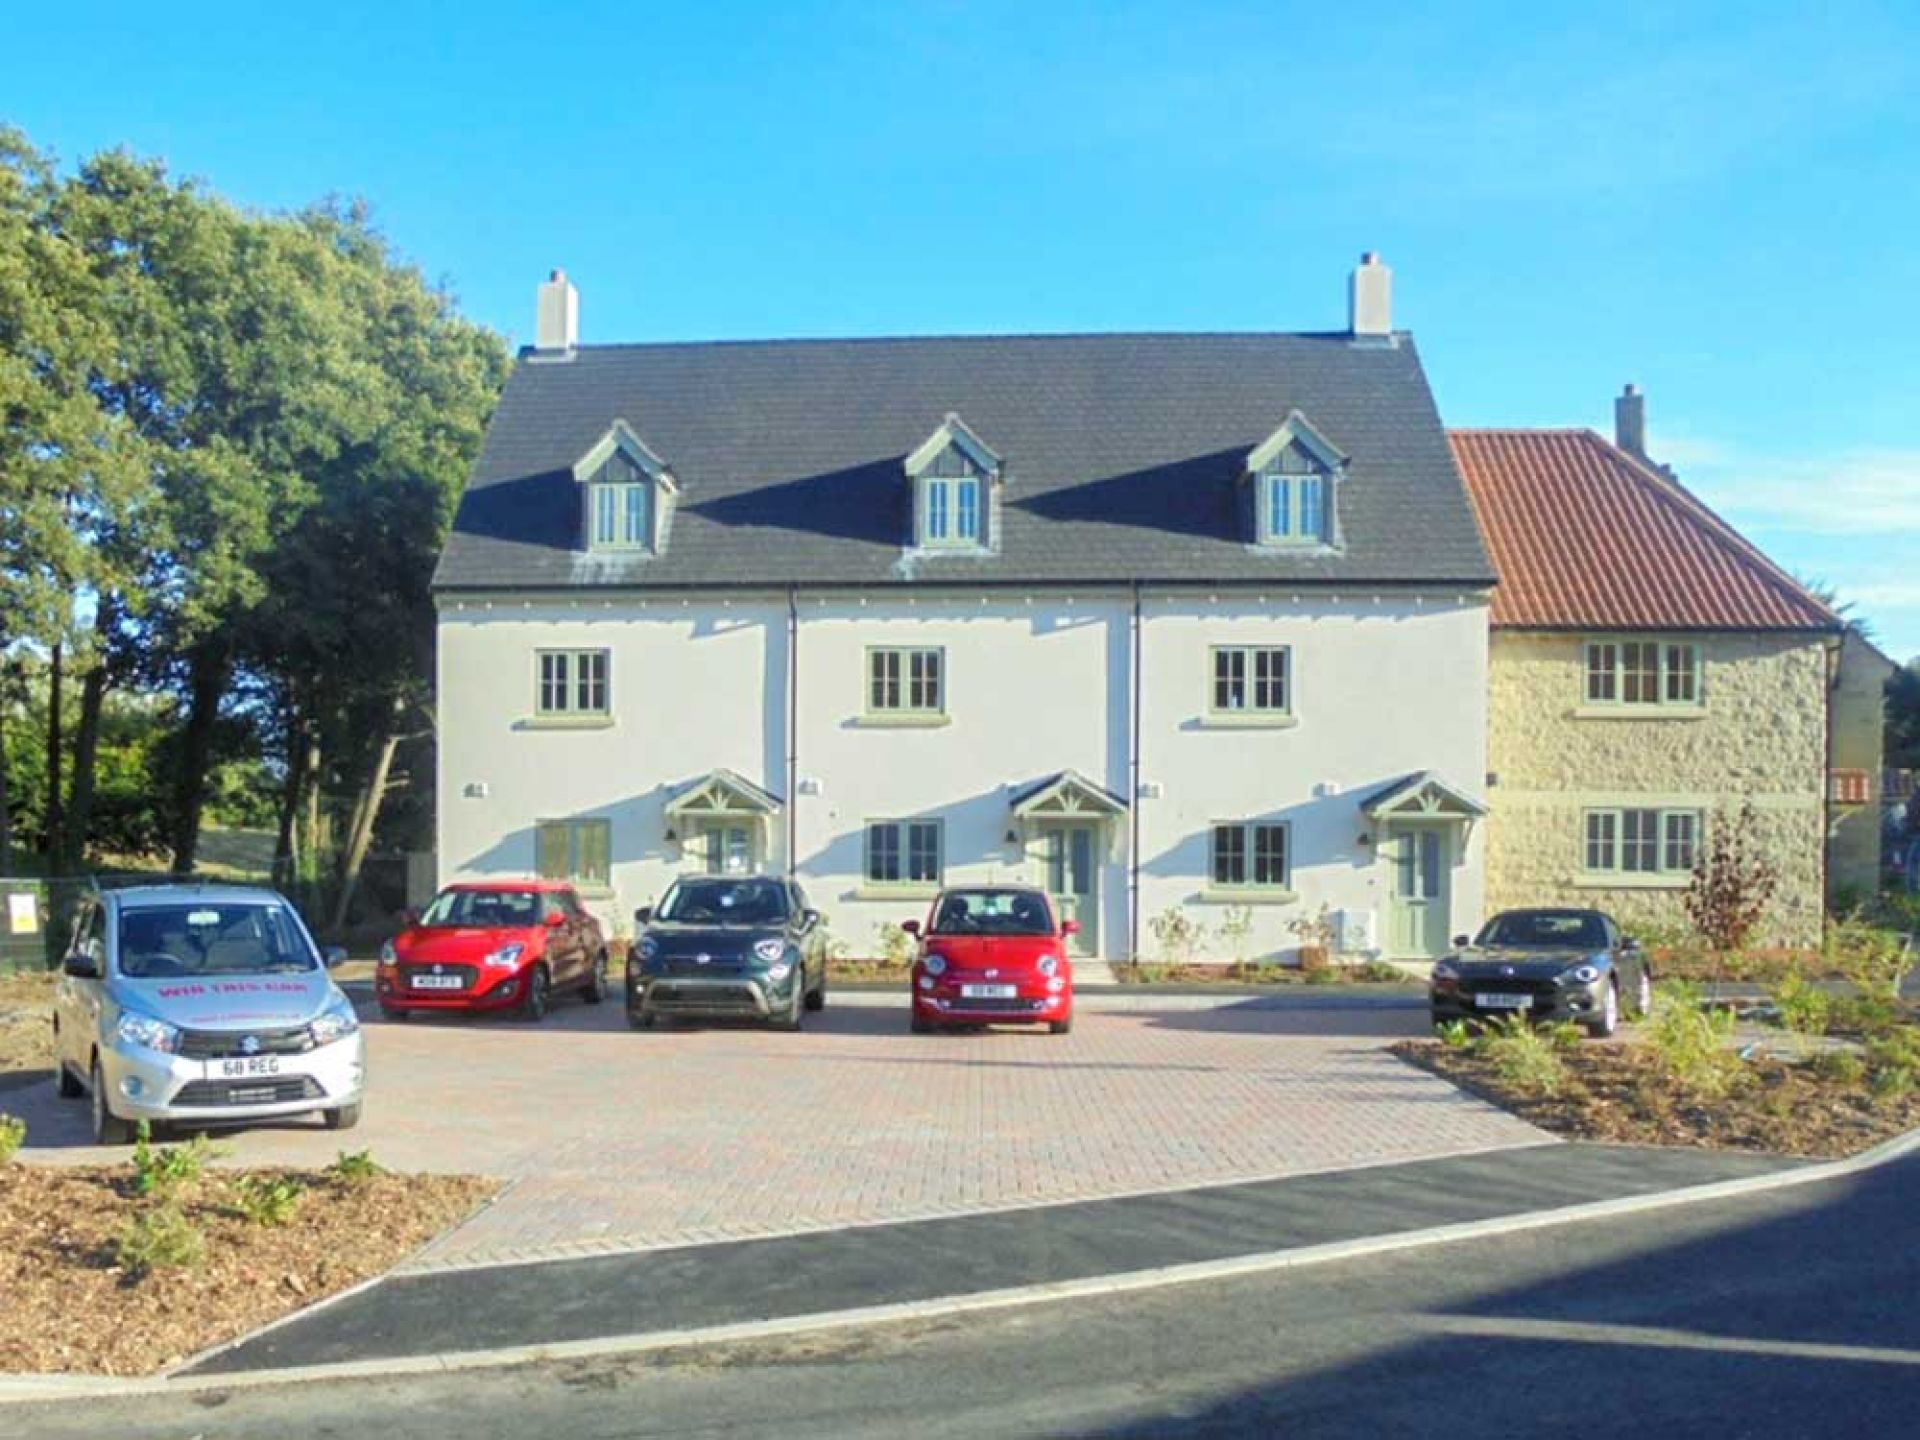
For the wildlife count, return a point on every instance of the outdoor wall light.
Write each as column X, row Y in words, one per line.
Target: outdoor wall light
column 1013, row 837
column 1364, row 840
column 671, row 837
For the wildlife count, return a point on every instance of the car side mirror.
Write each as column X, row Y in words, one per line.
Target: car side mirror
column 809, row 919
column 555, row 919
column 334, row 956
column 1629, row 942
column 409, row 917
column 643, row 916
column 1069, row 927
column 1460, row 942
column 912, row 927
column 82, row 965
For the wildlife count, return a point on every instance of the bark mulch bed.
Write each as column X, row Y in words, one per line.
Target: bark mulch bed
column 69, row 1306
column 1618, row 1093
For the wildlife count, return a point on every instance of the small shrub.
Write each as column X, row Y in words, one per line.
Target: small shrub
column 1377, row 972
column 268, row 1199
column 1875, row 960
column 1892, row 1084
column 355, row 1167
column 1839, row 1067
column 1895, row 1049
column 1236, row 924
column 1523, row 1057
column 1177, row 934
column 1804, row 1007
column 164, row 1173
column 1689, row 1041
column 1563, row 1035
column 896, row 945
column 159, row 1237
column 1455, row 1034
column 13, row 1134
column 1732, row 882
column 1316, row 933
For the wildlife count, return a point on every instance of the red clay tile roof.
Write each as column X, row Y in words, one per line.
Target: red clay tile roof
column 1583, row 536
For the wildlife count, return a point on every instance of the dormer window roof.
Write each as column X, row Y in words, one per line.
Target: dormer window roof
column 1295, row 474
column 953, row 473
column 628, row 490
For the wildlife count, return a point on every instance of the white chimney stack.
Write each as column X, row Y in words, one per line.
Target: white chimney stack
column 556, row 324
column 1370, row 298
column 1630, row 421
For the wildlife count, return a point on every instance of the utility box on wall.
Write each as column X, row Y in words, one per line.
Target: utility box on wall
column 1354, row 932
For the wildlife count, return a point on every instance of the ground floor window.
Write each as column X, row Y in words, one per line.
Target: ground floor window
column 1642, row 841
column 904, row 852
column 724, row 847
column 576, row 850
column 1250, row 856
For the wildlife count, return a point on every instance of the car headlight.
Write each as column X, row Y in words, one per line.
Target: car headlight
column 936, row 964
column 506, row 957
column 145, row 1031
column 1048, row 964
column 336, row 1022
column 779, row 971
column 1443, row 971
column 649, row 948
column 1582, row 974
column 769, row 950
column 387, row 955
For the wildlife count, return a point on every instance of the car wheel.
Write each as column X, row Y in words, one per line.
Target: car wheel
column 817, row 999
column 533, row 1006
column 1643, row 1000
column 1060, row 1027
column 797, row 1008
column 67, row 1083
column 921, row 1025
column 596, row 988
column 343, row 1118
column 1608, row 1019
column 641, row 1019
column 393, row 1012
column 108, row 1128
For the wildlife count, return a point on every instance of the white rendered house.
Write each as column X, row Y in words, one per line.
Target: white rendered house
column 1159, row 621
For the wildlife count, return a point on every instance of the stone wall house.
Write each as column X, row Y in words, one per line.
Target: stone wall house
column 1650, row 674
column 1858, row 788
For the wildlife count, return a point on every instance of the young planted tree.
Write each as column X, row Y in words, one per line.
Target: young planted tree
column 1732, row 882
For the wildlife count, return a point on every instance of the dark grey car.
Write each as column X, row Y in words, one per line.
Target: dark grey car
column 1548, row 965
column 720, row 947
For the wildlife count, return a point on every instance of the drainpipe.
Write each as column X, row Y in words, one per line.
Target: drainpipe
column 1133, row 802
column 793, row 729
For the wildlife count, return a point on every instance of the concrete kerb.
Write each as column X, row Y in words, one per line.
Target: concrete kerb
column 28, row 1388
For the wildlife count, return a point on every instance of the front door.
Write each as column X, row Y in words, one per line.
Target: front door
column 1068, row 870
column 1422, row 889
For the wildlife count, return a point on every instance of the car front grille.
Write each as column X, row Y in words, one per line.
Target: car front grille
column 708, row 999
column 1000, row 1007
column 278, row 1091
column 1540, row 990
column 227, row 1044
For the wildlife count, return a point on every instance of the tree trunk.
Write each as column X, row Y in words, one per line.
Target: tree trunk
column 310, row 826
column 6, row 798
column 362, row 835
column 283, row 845
column 207, row 683
column 86, row 746
column 56, row 833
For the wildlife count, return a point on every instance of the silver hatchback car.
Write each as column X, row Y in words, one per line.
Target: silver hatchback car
column 203, row 1004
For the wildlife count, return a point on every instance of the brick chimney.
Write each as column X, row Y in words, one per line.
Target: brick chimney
column 1630, row 421
column 1370, row 298
column 556, row 324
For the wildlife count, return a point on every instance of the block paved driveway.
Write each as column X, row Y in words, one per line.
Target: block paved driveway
column 616, row 1140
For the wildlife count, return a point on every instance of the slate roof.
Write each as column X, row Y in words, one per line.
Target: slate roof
column 1585, row 536
column 1122, row 454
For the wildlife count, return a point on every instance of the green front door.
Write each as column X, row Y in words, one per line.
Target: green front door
column 1067, row 855
column 1421, row 856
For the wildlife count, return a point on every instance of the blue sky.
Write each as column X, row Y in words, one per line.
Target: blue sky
column 1718, row 202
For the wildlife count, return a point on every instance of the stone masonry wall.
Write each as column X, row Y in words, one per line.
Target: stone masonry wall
column 1760, row 738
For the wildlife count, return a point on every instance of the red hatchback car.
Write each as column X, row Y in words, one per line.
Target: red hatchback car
column 992, row 955
column 494, row 945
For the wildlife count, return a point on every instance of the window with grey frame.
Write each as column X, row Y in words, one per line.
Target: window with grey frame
column 1642, row 673
column 1250, row 856
column 1252, row 680
column 1642, row 841
column 572, row 682
column 580, row 850
column 903, row 852
column 904, row 681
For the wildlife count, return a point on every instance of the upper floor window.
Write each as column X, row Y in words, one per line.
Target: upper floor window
column 1251, row 680
column 572, row 682
column 626, row 485
column 1250, row 856
column 905, row 682
column 1294, row 472
column 1293, row 508
column 1642, row 672
column 952, row 473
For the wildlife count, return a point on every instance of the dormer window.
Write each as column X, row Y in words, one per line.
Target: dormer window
column 953, row 474
column 1294, row 473
column 627, row 489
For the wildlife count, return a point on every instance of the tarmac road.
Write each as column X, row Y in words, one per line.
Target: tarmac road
column 1785, row 1314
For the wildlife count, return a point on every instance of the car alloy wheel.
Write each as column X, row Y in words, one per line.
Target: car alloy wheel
column 108, row 1128
column 534, row 1007
column 596, row 988
column 1643, row 1002
column 1609, row 1020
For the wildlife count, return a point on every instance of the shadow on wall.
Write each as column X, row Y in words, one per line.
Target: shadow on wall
column 973, row 833
column 1186, row 497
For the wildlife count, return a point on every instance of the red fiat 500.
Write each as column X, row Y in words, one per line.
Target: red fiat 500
column 494, row 945
column 992, row 955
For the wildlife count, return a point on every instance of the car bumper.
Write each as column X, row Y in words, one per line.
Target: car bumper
column 491, row 990
column 1568, row 1002
column 748, row 997
column 144, row 1084
column 1031, row 1006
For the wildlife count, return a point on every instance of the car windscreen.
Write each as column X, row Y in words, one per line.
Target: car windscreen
column 724, row 902
column 486, row 909
column 992, row 912
column 1546, row 930
column 161, row 942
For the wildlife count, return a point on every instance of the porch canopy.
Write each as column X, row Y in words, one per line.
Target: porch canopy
column 720, row 795
column 1423, row 795
column 1068, row 795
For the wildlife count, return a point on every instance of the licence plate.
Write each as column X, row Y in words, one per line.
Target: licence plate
column 244, row 1069
column 435, row 982
column 1503, row 1002
column 988, row 992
